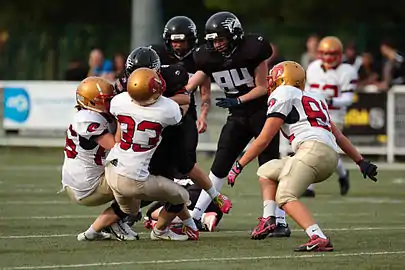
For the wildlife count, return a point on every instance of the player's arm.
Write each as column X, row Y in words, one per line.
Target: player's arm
column 367, row 168
column 107, row 141
column 260, row 90
column 205, row 93
column 181, row 99
column 270, row 129
column 117, row 136
column 196, row 80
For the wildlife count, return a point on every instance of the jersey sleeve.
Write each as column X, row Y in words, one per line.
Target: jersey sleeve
column 280, row 104
column 349, row 80
column 90, row 125
column 200, row 56
column 260, row 49
column 173, row 116
column 176, row 78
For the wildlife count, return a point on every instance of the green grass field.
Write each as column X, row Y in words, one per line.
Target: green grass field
column 38, row 227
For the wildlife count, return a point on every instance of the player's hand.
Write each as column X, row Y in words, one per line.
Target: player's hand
column 201, row 125
column 368, row 169
column 236, row 170
column 228, row 102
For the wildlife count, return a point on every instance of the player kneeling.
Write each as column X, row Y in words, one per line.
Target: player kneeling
column 303, row 117
column 142, row 113
column 88, row 139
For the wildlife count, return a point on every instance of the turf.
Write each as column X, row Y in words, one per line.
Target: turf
column 38, row 227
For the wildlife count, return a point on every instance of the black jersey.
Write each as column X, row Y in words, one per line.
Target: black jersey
column 235, row 74
column 168, row 58
column 175, row 76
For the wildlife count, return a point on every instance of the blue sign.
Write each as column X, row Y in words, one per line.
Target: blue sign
column 16, row 104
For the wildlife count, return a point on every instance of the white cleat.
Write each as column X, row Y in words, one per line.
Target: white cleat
column 209, row 221
column 123, row 232
column 96, row 237
column 168, row 235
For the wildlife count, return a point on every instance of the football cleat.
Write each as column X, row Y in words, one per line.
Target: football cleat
column 192, row 234
column 264, row 228
column 223, row 203
column 344, row 184
column 209, row 221
column 96, row 237
column 123, row 232
column 168, row 235
column 282, row 230
column 315, row 243
column 199, row 224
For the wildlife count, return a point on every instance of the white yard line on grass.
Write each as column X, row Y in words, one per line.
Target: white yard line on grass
column 199, row 260
column 214, row 233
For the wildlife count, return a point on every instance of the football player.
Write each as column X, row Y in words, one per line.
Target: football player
column 303, row 117
column 88, row 139
column 180, row 41
column 142, row 114
column 237, row 63
column 336, row 81
column 163, row 162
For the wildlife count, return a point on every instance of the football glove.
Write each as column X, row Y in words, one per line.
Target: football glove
column 236, row 170
column 227, row 102
column 368, row 169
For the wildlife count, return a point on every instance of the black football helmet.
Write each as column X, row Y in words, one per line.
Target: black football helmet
column 223, row 25
column 180, row 28
column 142, row 57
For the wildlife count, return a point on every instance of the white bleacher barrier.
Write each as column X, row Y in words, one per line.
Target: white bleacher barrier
column 32, row 133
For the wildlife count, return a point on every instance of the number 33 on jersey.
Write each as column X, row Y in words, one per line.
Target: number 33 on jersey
column 305, row 115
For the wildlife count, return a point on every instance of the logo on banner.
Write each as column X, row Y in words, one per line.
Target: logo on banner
column 16, row 104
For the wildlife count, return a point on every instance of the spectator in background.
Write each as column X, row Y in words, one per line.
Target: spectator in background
column 98, row 65
column 368, row 71
column 312, row 51
column 119, row 64
column 76, row 70
column 351, row 57
column 275, row 58
column 394, row 66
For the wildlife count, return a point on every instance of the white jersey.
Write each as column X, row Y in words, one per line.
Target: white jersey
column 337, row 84
column 141, row 128
column 305, row 116
column 84, row 158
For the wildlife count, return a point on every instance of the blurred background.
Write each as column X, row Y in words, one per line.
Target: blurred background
column 68, row 40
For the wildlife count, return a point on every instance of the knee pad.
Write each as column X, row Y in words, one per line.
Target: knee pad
column 173, row 208
column 117, row 210
column 283, row 197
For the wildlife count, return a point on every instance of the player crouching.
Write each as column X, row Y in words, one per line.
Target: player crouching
column 143, row 113
column 303, row 117
column 88, row 139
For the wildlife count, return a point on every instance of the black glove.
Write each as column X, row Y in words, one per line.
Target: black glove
column 228, row 102
column 368, row 169
column 329, row 101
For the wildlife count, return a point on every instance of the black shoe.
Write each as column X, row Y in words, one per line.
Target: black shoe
column 309, row 194
column 282, row 230
column 199, row 225
column 344, row 184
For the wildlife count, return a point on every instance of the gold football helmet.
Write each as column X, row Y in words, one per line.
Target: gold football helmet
column 95, row 93
column 330, row 51
column 145, row 86
column 286, row 73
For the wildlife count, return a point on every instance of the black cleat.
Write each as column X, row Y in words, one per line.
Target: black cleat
column 199, row 224
column 282, row 230
column 344, row 184
column 309, row 194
